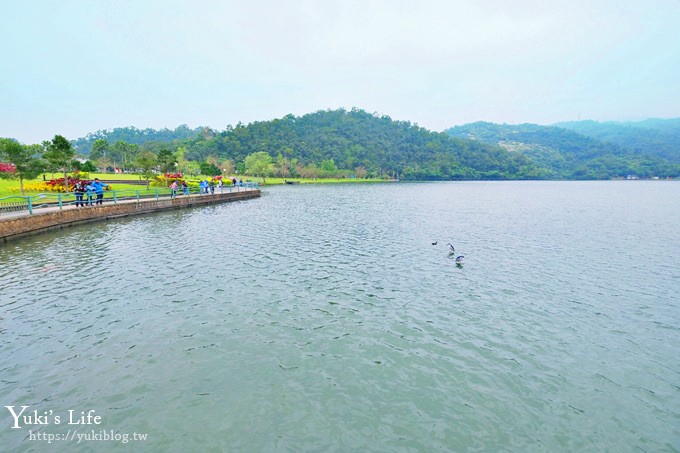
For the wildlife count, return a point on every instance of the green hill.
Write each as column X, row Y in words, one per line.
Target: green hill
column 355, row 138
column 568, row 154
column 653, row 137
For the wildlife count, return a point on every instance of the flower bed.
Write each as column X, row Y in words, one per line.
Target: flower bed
column 57, row 185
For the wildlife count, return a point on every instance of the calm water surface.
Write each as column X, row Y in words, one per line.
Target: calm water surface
column 322, row 319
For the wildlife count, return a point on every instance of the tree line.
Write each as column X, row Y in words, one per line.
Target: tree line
column 357, row 144
column 329, row 143
column 26, row 162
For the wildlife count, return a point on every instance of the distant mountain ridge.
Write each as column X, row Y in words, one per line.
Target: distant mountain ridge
column 660, row 137
column 588, row 149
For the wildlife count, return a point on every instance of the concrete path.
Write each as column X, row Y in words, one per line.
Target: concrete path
column 109, row 202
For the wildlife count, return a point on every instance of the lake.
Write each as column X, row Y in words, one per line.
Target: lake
column 322, row 318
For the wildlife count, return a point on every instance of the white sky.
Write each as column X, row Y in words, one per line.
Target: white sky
column 73, row 67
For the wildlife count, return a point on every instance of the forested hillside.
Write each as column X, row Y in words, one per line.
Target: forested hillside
column 357, row 139
column 567, row 154
column 655, row 137
column 324, row 143
column 134, row 136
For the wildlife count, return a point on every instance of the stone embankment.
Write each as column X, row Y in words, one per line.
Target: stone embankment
column 16, row 226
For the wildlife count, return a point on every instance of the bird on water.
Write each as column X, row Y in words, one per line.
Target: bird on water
column 460, row 259
column 435, row 243
column 452, row 249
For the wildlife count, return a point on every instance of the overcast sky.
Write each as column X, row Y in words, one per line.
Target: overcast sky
column 73, row 67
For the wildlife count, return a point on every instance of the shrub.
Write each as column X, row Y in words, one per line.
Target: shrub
column 166, row 179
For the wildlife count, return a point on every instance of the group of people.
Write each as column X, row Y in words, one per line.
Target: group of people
column 209, row 187
column 89, row 189
column 205, row 186
column 174, row 186
column 96, row 187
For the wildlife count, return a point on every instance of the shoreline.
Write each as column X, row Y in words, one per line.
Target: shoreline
column 18, row 226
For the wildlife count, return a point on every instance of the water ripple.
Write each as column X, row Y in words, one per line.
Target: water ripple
column 322, row 318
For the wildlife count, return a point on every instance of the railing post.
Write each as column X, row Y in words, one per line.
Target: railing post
column 156, row 194
column 29, row 204
column 59, row 198
column 115, row 200
column 137, row 192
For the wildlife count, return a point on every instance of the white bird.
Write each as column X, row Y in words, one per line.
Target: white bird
column 460, row 259
column 451, row 248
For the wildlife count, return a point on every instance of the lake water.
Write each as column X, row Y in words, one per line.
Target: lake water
column 322, row 318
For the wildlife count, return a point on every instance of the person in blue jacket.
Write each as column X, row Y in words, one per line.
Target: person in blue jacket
column 99, row 190
column 89, row 190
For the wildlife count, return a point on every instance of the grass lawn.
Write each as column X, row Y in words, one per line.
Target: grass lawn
column 10, row 187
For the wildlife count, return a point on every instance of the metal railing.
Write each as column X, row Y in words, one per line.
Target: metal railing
column 17, row 204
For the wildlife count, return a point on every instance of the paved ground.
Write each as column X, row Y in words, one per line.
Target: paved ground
column 107, row 202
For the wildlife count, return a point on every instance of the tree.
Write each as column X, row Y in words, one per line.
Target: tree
column 88, row 166
column 309, row 171
column 123, row 152
column 328, row 168
column 183, row 165
column 24, row 158
column 212, row 160
column 99, row 149
column 360, row 172
column 145, row 162
column 282, row 166
column 104, row 163
column 210, row 169
column 59, row 155
column 192, row 168
column 259, row 164
column 227, row 167
column 166, row 160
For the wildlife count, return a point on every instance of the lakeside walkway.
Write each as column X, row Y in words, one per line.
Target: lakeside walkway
column 48, row 216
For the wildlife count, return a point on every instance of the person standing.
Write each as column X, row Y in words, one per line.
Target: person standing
column 99, row 190
column 78, row 190
column 89, row 190
column 212, row 186
column 173, row 187
column 185, row 188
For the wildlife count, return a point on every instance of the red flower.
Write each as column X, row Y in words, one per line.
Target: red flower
column 7, row 168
